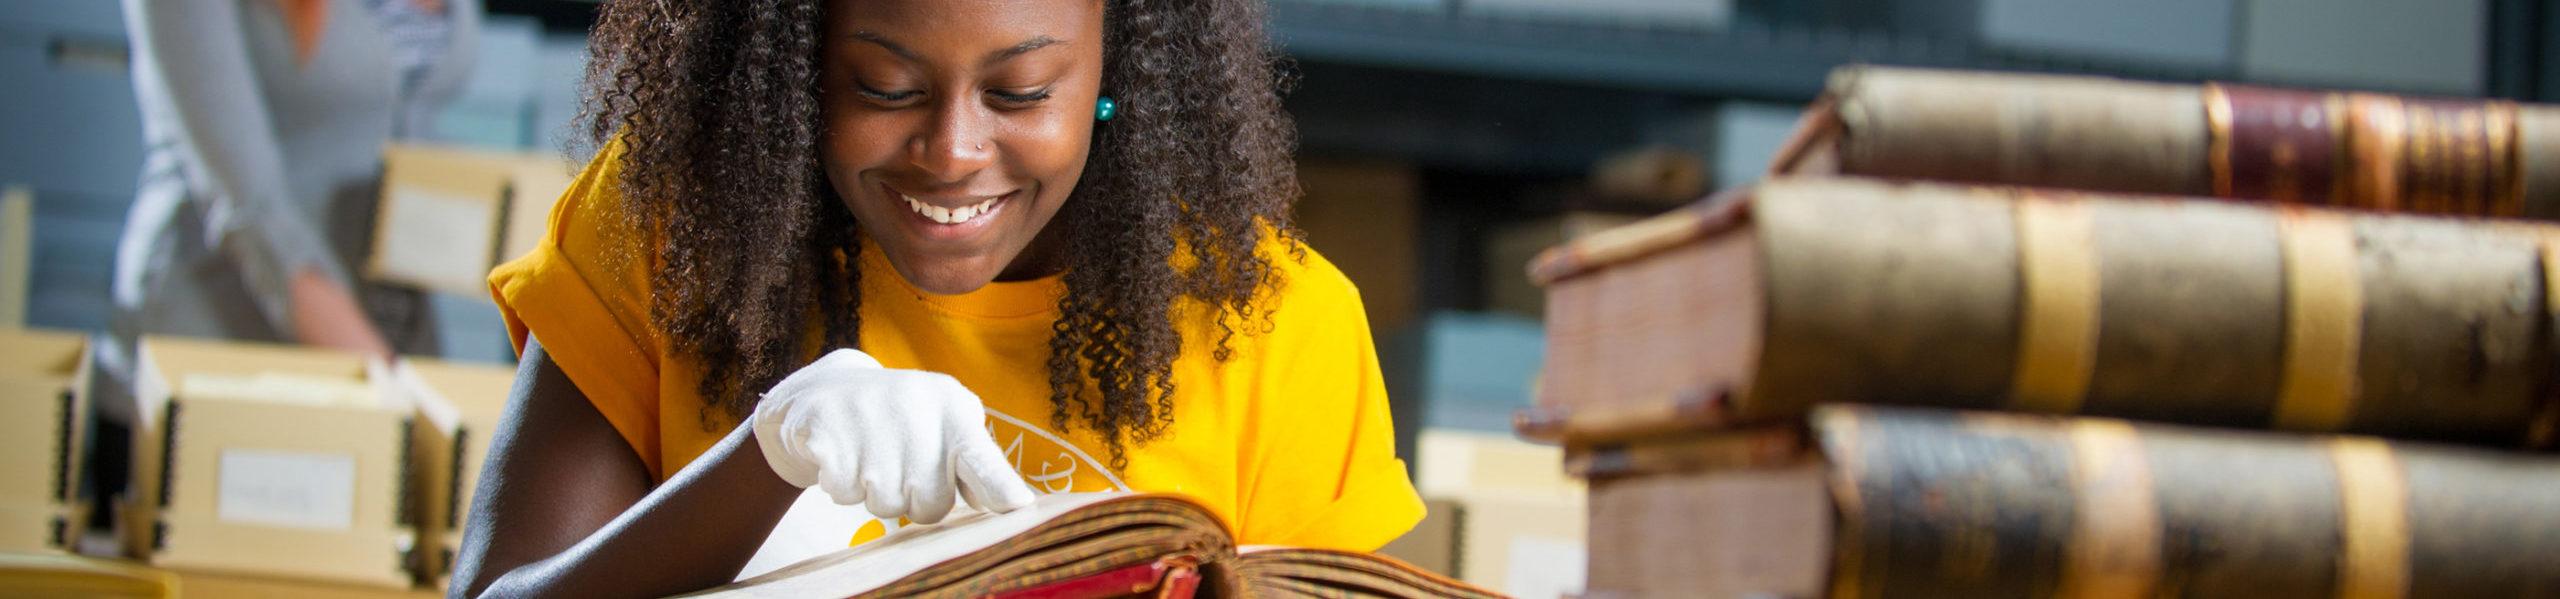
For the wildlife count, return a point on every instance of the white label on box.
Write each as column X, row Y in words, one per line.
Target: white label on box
column 292, row 489
column 1544, row 567
column 436, row 239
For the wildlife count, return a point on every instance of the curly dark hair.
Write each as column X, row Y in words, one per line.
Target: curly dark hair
column 716, row 107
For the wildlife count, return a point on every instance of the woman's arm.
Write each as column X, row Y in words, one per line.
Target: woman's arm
column 565, row 506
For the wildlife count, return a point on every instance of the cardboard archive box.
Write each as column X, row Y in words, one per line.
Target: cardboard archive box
column 448, row 215
column 267, row 460
column 43, row 417
column 1519, row 523
column 458, row 410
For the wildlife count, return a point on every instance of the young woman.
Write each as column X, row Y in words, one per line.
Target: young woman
column 916, row 253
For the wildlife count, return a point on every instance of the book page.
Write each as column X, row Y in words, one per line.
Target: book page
column 907, row 551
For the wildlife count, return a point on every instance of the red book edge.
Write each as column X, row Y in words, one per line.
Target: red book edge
column 1173, row 577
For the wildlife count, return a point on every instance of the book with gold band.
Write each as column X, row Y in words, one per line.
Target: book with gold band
column 1091, row 545
column 1756, row 305
column 2349, row 149
column 1892, row 502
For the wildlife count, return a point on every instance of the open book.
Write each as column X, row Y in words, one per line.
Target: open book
column 1090, row 545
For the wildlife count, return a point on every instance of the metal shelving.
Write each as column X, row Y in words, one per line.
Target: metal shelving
column 1741, row 60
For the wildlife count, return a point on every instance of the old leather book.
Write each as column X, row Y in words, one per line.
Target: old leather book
column 2364, row 150
column 1760, row 303
column 1913, row 502
column 1090, row 545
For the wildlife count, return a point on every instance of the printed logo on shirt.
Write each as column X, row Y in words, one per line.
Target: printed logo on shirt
column 1050, row 463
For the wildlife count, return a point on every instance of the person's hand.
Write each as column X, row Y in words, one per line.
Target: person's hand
column 326, row 314
column 900, row 442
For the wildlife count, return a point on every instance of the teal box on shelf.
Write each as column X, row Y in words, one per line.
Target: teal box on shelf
column 1461, row 370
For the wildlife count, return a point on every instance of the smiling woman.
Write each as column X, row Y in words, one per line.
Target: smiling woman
column 1036, row 241
column 954, row 167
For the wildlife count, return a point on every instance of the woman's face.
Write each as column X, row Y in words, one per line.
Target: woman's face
column 956, row 128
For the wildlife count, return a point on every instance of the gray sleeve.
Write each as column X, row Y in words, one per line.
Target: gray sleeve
column 195, row 82
column 451, row 71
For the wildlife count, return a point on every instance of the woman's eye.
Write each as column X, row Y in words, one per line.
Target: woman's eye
column 877, row 95
column 1019, row 97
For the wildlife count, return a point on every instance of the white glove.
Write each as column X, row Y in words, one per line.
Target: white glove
column 896, row 441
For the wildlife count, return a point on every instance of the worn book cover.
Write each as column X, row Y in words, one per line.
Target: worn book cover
column 1915, row 502
column 1765, row 301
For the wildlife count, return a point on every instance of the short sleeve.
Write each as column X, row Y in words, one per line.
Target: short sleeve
column 1324, row 471
column 584, row 293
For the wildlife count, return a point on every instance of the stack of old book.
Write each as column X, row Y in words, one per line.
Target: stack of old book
column 2017, row 336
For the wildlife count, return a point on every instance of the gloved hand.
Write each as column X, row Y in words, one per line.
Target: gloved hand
column 897, row 441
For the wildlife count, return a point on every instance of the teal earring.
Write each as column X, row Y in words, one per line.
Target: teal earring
column 1104, row 108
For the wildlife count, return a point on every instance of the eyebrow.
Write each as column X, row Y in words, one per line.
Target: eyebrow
column 999, row 55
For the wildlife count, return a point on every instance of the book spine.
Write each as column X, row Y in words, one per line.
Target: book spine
column 2369, row 151
column 2200, row 312
column 2078, row 132
column 2363, row 150
column 1984, row 505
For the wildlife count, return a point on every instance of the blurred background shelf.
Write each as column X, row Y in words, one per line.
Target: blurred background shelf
column 1762, row 51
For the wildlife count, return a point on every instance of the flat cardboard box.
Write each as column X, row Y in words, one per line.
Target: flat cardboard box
column 448, row 215
column 458, row 410
column 43, row 417
column 267, row 460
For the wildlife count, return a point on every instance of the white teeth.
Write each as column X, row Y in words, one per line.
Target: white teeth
column 949, row 216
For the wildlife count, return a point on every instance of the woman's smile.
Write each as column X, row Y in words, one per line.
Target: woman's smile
column 949, row 218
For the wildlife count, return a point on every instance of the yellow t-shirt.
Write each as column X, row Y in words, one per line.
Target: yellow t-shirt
column 1288, row 439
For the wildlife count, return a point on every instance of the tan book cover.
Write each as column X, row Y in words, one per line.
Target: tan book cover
column 1754, row 306
column 1892, row 502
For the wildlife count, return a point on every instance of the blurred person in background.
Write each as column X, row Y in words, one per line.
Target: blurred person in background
column 263, row 123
